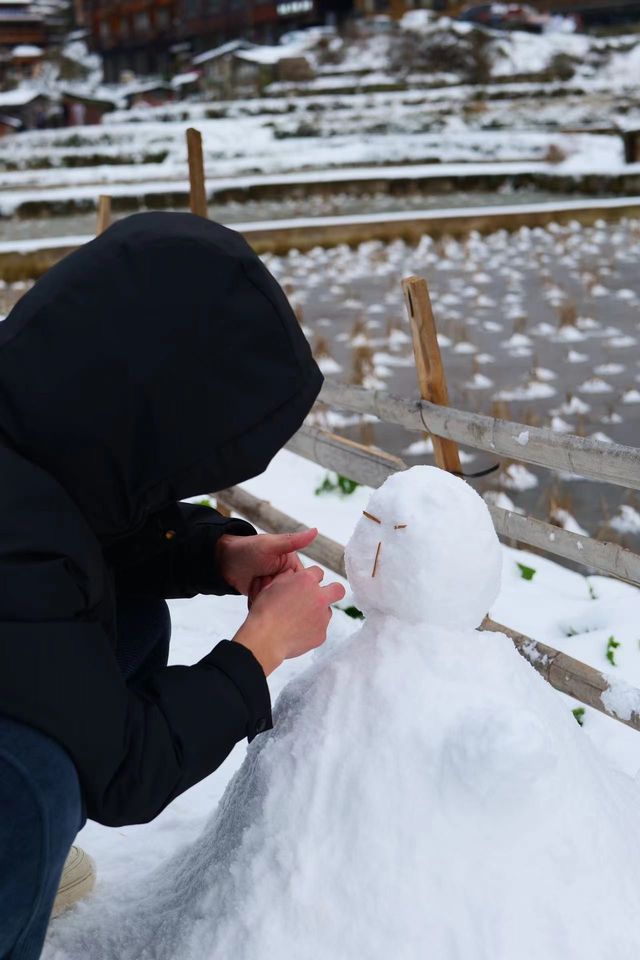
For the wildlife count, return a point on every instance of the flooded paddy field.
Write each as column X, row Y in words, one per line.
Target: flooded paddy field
column 338, row 203
column 540, row 327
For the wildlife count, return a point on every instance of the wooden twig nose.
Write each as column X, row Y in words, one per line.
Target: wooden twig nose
column 377, row 558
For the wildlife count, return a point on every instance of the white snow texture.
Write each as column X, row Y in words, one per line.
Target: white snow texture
column 424, row 793
column 435, row 532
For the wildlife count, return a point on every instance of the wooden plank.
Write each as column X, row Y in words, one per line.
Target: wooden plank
column 104, row 213
column 609, row 558
column 363, row 464
column 371, row 467
column 593, row 459
column 197, row 191
column 429, row 367
column 563, row 672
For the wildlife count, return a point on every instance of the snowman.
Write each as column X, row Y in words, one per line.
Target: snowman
column 423, row 794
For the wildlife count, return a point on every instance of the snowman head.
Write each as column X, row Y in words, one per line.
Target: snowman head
column 425, row 551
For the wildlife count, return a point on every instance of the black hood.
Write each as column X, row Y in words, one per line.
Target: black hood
column 159, row 361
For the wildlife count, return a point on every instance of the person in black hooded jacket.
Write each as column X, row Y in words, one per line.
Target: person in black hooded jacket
column 158, row 362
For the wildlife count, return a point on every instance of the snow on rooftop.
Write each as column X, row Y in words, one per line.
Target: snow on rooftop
column 27, row 50
column 217, row 52
column 76, row 50
column 270, row 55
column 182, row 79
column 18, row 97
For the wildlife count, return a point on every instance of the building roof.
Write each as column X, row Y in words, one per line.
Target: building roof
column 19, row 97
column 143, row 86
column 216, row 52
column 270, row 55
column 27, row 50
column 101, row 95
column 7, row 121
column 182, row 79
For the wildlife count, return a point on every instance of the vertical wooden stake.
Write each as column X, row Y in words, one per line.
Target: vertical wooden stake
column 431, row 376
column 198, row 205
column 104, row 213
column 197, row 192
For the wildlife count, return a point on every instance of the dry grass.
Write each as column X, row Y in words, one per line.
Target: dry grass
column 500, row 410
column 321, row 349
column 367, row 432
column 581, row 425
column 555, row 154
column 531, row 418
column 567, row 314
column 359, row 328
column 393, row 324
column 361, row 364
column 460, row 332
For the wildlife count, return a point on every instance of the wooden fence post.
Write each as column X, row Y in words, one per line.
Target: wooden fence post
column 431, row 376
column 104, row 213
column 197, row 192
column 198, row 205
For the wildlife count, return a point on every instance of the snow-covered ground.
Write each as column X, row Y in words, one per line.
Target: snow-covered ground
column 541, row 324
column 575, row 613
column 524, row 108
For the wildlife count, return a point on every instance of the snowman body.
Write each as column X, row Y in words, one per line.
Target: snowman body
column 424, row 793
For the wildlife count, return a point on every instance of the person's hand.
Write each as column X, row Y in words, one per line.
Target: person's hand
column 249, row 564
column 289, row 617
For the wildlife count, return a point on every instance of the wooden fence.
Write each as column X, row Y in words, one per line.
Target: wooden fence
column 593, row 459
column 448, row 427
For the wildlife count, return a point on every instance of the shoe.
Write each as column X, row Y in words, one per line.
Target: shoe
column 77, row 880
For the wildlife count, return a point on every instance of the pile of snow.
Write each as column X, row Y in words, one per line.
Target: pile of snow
column 627, row 520
column 423, row 791
column 518, row 53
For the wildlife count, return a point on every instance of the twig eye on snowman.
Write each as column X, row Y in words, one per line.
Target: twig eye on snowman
column 396, row 526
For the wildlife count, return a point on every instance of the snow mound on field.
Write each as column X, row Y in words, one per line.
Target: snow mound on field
column 423, row 792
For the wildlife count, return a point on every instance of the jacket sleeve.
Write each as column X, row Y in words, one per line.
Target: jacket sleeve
column 173, row 554
column 134, row 750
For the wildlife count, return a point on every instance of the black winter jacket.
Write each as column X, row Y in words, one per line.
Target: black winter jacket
column 160, row 361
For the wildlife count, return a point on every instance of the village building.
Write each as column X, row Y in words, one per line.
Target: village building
column 160, row 36
column 24, row 109
column 21, row 23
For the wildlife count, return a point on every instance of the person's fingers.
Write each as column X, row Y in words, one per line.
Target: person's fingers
column 333, row 592
column 289, row 542
column 290, row 561
column 316, row 572
column 295, row 562
column 268, row 581
column 277, row 577
column 256, row 585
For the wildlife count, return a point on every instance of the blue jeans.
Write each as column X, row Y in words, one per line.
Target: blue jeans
column 41, row 806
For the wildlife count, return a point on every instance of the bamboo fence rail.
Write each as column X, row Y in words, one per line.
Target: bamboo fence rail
column 371, row 467
column 592, row 459
column 563, row 672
